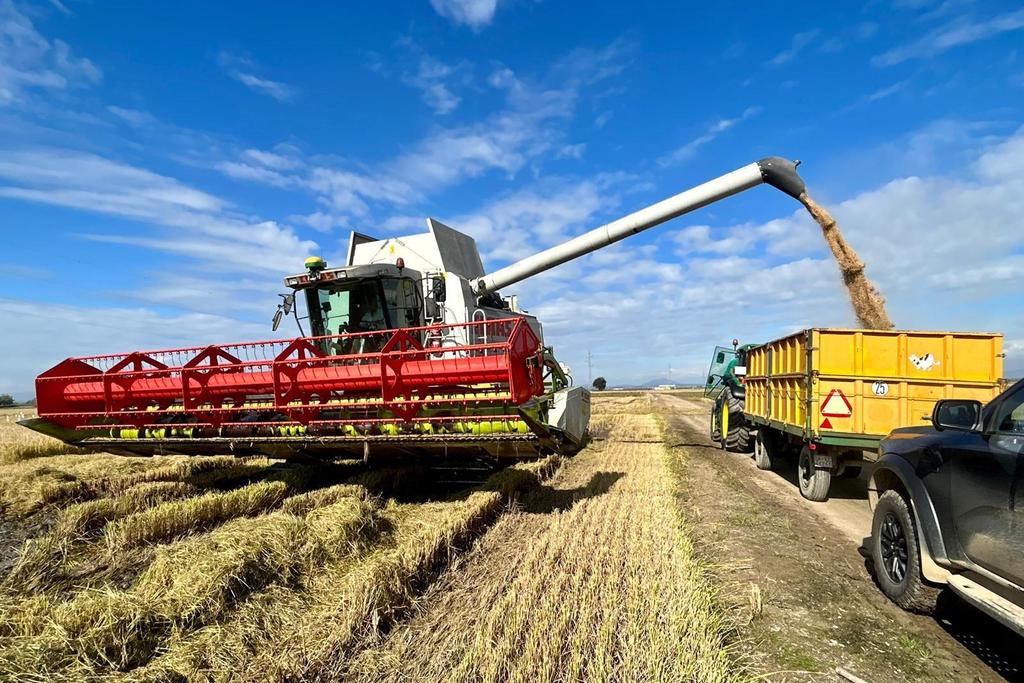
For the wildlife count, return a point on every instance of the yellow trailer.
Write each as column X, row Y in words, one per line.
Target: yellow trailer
column 834, row 393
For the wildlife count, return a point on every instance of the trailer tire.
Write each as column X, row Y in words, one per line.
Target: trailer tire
column 894, row 538
column 814, row 482
column 764, row 449
column 737, row 435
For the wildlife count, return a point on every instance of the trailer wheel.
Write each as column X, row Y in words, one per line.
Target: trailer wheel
column 765, row 445
column 735, row 435
column 896, row 552
column 814, row 482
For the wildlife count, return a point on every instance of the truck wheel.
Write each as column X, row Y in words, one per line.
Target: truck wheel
column 736, row 437
column 897, row 555
column 764, row 445
column 814, row 482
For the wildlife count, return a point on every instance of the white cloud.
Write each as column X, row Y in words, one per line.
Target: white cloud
column 321, row 220
column 47, row 333
column 29, row 61
column 526, row 221
column 430, row 79
column 241, row 68
column 796, row 45
column 954, row 34
column 530, row 126
column 259, row 174
column 687, row 151
column 473, row 13
column 133, row 117
column 572, row 151
column 213, row 232
column 274, row 160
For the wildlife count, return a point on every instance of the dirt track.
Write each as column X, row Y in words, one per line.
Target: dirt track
column 820, row 607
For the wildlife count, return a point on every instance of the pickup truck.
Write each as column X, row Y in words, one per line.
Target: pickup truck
column 948, row 503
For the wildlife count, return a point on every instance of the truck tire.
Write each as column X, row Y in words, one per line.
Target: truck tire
column 814, row 482
column 737, row 435
column 765, row 444
column 896, row 552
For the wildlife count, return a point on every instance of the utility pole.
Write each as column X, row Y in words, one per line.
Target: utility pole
column 590, row 369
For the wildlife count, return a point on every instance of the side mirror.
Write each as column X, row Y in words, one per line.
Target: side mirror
column 278, row 316
column 957, row 414
column 438, row 289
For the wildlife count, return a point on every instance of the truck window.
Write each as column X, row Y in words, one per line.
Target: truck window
column 1011, row 414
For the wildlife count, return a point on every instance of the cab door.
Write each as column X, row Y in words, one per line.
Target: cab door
column 986, row 489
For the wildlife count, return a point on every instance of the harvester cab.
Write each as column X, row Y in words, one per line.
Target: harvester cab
column 410, row 350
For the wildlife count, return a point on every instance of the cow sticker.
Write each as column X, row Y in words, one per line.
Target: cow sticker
column 925, row 362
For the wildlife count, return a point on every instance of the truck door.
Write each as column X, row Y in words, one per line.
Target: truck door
column 988, row 491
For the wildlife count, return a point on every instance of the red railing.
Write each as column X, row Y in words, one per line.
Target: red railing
column 401, row 371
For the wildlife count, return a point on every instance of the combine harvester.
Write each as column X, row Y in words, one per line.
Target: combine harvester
column 411, row 350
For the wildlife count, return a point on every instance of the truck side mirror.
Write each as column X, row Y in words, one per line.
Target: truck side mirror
column 957, row 414
column 278, row 315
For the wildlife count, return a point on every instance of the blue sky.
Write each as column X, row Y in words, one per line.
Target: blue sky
column 163, row 165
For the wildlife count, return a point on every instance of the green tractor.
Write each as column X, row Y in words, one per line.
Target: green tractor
column 729, row 426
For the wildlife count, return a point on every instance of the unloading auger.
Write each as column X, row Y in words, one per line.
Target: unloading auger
column 410, row 350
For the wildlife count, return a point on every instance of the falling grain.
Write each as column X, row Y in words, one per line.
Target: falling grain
column 868, row 302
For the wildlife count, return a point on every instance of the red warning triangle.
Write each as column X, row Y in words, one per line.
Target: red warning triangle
column 825, row 424
column 836, row 405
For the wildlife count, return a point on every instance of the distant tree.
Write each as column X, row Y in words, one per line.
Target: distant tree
column 6, row 400
column 600, row 383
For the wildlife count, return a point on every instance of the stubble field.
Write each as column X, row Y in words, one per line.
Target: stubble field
column 217, row 568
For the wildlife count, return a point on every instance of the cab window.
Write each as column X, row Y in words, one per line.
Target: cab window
column 1010, row 417
column 403, row 302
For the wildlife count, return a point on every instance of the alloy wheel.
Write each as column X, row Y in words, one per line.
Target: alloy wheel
column 894, row 548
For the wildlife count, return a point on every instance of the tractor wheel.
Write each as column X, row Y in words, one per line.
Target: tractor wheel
column 814, row 482
column 735, row 433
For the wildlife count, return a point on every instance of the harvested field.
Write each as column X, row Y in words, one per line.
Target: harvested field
column 207, row 569
column 593, row 577
column 592, row 568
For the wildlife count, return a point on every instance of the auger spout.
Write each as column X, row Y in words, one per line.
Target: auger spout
column 775, row 171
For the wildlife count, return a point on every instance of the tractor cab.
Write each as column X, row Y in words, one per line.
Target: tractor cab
column 727, row 368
